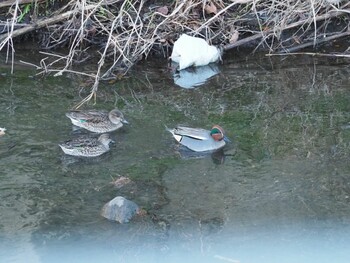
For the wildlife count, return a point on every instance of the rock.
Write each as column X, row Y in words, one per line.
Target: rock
column 120, row 209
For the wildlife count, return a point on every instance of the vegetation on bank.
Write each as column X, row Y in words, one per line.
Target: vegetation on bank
column 124, row 32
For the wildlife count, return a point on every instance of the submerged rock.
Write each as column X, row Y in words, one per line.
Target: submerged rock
column 120, row 209
column 121, row 181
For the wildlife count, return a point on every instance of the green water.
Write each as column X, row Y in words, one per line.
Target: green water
column 283, row 181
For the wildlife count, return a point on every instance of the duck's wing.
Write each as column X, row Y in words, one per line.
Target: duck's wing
column 194, row 133
column 88, row 115
column 80, row 142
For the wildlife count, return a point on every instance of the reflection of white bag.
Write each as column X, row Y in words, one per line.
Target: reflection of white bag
column 190, row 78
column 193, row 51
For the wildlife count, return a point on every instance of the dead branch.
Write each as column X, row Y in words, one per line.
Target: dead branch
column 243, row 41
column 290, row 26
column 310, row 54
column 318, row 41
column 13, row 2
column 41, row 23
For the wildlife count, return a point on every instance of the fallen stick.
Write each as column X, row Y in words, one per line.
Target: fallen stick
column 39, row 24
column 311, row 43
column 292, row 25
column 42, row 23
column 243, row 41
column 310, row 54
column 20, row 2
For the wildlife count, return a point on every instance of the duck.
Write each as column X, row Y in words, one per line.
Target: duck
column 97, row 121
column 2, row 131
column 200, row 140
column 87, row 146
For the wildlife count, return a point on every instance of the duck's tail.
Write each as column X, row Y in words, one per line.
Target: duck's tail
column 169, row 130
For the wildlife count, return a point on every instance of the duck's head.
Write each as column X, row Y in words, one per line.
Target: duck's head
column 117, row 116
column 218, row 134
column 105, row 139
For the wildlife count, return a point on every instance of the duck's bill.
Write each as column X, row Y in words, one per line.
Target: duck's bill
column 125, row 121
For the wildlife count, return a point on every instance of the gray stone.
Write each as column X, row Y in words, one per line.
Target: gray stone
column 120, row 209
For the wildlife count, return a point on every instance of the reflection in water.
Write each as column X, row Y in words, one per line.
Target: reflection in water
column 280, row 194
column 218, row 157
column 194, row 77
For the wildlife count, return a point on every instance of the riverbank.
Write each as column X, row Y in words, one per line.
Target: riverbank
column 117, row 34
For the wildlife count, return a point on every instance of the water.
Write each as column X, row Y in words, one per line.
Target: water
column 280, row 192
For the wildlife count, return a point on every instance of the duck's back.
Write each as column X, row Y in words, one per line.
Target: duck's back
column 95, row 121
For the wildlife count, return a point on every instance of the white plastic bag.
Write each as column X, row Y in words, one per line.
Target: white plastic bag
column 193, row 51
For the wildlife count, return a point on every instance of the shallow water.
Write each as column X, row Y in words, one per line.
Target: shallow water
column 280, row 191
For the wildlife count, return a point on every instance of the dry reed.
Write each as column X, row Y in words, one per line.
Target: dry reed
column 124, row 32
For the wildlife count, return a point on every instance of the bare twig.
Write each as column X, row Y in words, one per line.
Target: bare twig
column 313, row 43
column 290, row 26
column 310, row 54
column 20, row 2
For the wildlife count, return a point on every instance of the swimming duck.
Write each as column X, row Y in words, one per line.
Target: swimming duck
column 87, row 146
column 97, row 121
column 200, row 140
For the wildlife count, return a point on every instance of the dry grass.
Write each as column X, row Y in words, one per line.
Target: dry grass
column 124, row 32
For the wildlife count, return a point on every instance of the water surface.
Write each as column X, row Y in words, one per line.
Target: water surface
column 280, row 192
